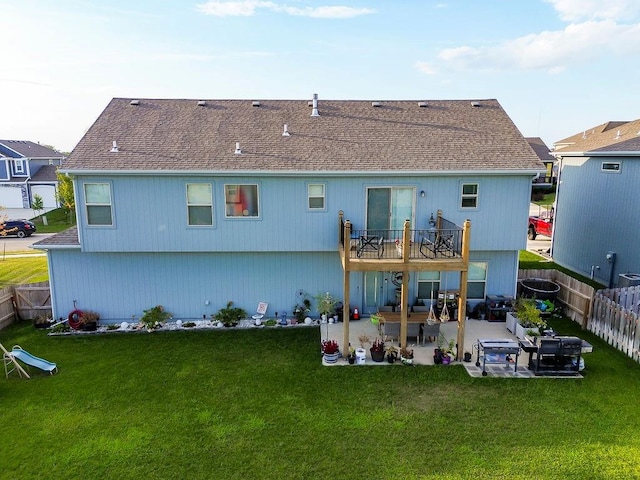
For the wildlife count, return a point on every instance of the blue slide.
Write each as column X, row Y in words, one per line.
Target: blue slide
column 33, row 361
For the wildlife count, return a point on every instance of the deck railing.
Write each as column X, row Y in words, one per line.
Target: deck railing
column 433, row 243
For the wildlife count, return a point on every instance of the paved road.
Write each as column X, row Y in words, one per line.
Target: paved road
column 15, row 244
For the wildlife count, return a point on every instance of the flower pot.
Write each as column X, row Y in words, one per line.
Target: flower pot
column 351, row 359
column 391, row 357
column 361, row 356
column 331, row 357
column 377, row 356
column 406, row 360
column 446, row 359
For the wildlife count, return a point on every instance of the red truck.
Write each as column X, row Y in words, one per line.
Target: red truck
column 540, row 224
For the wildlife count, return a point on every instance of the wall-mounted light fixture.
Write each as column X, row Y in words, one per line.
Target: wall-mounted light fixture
column 432, row 221
column 422, row 194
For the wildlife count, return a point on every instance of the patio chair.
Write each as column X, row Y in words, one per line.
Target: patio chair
column 392, row 330
column 260, row 311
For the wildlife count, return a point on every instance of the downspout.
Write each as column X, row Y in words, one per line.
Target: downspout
column 555, row 206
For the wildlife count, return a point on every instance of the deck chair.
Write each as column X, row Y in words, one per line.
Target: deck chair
column 260, row 311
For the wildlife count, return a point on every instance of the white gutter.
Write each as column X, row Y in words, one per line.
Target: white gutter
column 306, row 173
column 611, row 153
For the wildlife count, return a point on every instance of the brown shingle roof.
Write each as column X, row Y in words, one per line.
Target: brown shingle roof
column 66, row 238
column 541, row 149
column 610, row 136
column 348, row 136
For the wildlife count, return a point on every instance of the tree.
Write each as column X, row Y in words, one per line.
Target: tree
column 64, row 195
column 37, row 203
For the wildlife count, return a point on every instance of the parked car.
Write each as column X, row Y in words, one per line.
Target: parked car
column 19, row 228
column 540, row 225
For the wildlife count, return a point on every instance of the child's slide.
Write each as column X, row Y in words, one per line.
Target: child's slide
column 33, row 361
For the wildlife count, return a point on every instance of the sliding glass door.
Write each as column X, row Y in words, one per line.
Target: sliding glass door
column 389, row 207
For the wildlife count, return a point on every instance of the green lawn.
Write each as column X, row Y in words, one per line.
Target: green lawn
column 21, row 270
column 258, row 404
column 57, row 220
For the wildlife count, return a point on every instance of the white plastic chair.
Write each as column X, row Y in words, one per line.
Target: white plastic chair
column 260, row 311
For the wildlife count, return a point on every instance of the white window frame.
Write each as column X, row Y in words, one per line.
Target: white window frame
column 323, row 197
column 436, row 285
column 19, row 167
column 88, row 204
column 469, row 196
column 236, row 191
column 195, row 204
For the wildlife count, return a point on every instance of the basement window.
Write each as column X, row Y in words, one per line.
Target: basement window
column 611, row 167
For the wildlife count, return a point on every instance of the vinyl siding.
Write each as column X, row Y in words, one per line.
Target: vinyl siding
column 598, row 211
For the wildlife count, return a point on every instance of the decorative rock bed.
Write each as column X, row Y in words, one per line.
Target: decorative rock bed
column 125, row 327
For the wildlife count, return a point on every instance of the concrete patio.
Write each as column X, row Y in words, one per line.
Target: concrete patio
column 422, row 354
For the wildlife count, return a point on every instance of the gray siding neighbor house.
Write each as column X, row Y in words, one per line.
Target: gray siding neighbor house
column 597, row 218
column 27, row 169
column 194, row 203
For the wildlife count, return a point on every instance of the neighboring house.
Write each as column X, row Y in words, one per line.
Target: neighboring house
column 191, row 204
column 597, row 215
column 27, row 169
column 547, row 178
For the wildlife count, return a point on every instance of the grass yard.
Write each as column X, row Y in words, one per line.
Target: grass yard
column 22, row 270
column 258, row 404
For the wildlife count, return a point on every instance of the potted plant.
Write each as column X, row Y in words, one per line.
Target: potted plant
column 351, row 356
column 89, row 320
column 326, row 304
column 445, row 351
column 525, row 317
column 377, row 350
column 392, row 354
column 301, row 310
column 406, row 356
column 154, row 318
column 330, row 351
column 230, row 315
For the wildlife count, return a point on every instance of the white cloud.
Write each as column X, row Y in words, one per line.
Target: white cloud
column 249, row 7
column 551, row 51
column 580, row 10
column 426, row 68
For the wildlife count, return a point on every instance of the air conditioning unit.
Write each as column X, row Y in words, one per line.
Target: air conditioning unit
column 628, row 280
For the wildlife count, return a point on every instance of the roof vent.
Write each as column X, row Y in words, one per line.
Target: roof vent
column 238, row 151
column 285, row 131
column 584, row 135
column 134, row 102
column 423, row 104
column 314, row 112
column 376, row 104
column 114, row 148
column 618, row 135
column 201, row 103
column 475, row 104
column 310, row 103
column 255, row 104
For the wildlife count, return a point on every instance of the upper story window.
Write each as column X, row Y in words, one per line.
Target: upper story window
column 469, row 197
column 98, row 203
column 316, row 196
column 199, row 204
column 19, row 167
column 611, row 167
column 241, row 201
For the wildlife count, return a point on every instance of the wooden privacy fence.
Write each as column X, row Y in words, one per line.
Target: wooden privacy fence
column 615, row 316
column 26, row 302
column 576, row 296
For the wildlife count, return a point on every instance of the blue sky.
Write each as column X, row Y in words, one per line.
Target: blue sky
column 557, row 67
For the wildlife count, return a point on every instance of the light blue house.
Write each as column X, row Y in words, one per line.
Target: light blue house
column 191, row 204
column 597, row 203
